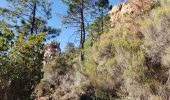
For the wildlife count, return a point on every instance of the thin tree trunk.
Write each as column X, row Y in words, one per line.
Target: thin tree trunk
column 92, row 39
column 102, row 14
column 33, row 16
column 81, row 43
column 82, row 33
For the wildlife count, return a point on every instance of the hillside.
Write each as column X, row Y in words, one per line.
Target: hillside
column 129, row 61
column 123, row 52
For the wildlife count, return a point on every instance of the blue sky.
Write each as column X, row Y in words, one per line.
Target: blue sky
column 59, row 9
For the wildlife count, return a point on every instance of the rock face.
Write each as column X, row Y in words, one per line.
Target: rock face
column 50, row 51
column 132, row 7
column 115, row 15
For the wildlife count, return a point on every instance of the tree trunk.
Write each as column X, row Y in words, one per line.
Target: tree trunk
column 81, row 43
column 33, row 16
column 102, row 15
column 82, row 31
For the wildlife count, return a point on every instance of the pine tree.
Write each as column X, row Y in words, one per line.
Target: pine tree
column 20, row 56
column 76, row 17
column 100, row 22
column 102, row 7
column 29, row 16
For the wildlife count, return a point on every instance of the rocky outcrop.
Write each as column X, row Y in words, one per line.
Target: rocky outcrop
column 115, row 15
column 132, row 7
column 50, row 51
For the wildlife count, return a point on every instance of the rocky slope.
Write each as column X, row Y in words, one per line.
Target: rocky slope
column 129, row 62
column 60, row 81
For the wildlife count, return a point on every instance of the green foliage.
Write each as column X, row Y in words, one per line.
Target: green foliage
column 70, row 51
column 77, row 15
column 59, row 64
column 95, row 29
column 21, row 55
column 27, row 60
column 103, row 3
column 56, row 75
column 127, row 64
column 6, row 37
column 22, row 63
column 6, row 42
column 23, row 20
column 117, row 65
column 116, row 61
